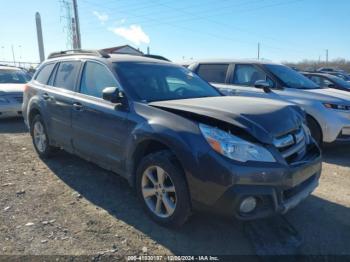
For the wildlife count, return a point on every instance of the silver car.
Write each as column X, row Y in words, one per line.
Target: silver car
column 328, row 110
column 12, row 82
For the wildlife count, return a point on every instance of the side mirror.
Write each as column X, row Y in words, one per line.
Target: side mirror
column 262, row 84
column 113, row 94
column 331, row 85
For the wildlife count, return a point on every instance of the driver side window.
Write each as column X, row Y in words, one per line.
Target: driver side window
column 95, row 78
column 247, row 75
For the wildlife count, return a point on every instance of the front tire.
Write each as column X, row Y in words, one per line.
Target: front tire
column 162, row 189
column 40, row 138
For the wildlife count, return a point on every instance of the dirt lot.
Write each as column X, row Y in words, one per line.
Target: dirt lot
column 68, row 206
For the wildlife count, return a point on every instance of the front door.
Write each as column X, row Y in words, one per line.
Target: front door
column 100, row 128
column 244, row 78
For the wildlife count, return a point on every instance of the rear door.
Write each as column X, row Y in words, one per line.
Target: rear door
column 59, row 100
column 214, row 73
column 100, row 128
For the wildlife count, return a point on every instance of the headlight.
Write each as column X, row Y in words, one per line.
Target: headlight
column 336, row 106
column 3, row 100
column 234, row 147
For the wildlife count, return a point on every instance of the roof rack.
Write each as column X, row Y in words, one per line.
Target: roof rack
column 99, row 53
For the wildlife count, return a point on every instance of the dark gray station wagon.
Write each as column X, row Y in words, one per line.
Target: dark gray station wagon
column 174, row 137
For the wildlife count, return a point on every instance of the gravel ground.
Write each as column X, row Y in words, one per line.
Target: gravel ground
column 67, row 206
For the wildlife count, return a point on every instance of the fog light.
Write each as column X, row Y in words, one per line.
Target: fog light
column 247, row 205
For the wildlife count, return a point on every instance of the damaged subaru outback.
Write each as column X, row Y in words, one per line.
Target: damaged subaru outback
column 182, row 145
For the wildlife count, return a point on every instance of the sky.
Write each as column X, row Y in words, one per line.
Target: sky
column 287, row 30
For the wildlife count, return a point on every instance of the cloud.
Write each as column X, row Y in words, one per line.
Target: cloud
column 120, row 22
column 103, row 17
column 133, row 33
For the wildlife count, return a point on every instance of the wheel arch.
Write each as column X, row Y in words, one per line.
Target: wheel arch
column 308, row 116
column 146, row 147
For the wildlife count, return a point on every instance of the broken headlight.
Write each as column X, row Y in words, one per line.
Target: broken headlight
column 234, row 147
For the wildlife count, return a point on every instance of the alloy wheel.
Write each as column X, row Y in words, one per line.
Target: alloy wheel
column 158, row 191
column 39, row 137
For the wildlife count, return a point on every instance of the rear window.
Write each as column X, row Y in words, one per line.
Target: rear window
column 215, row 73
column 44, row 74
column 67, row 74
column 12, row 76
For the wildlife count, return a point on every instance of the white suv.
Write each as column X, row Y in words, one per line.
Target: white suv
column 328, row 110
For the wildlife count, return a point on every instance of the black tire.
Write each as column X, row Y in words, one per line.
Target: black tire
column 315, row 130
column 167, row 161
column 48, row 150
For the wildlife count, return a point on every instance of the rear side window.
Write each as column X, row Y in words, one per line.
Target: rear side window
column 248, row 74
column 67, row 75
column 95, row 78
column 215, row 73
column 44, row 74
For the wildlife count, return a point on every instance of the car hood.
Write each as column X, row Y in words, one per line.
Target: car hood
column 262, row 118
column 298, row 96
column 11, row 88
column 331, row 92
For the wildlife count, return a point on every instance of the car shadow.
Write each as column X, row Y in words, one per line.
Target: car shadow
column 324, row 226
column 320, row 226
column 201, row 235
column 337, row 154
column 12, row 126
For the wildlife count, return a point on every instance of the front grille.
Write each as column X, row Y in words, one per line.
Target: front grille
column 292, row 146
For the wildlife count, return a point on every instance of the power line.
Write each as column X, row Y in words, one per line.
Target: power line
column 194, row 16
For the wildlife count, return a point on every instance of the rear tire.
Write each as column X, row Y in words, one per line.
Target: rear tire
column 315, row 130
column 162, row 189
column 40, row 138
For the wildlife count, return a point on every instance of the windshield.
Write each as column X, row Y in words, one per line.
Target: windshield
column 155, row 82
column 340, row 82
column 10, row 76
column 291, row 78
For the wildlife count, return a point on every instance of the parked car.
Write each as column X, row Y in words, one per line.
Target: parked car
column 12, row 80
column 174, row 137
column 328, row 110
column 343, row 76
column 329, row 69
column 328, row 81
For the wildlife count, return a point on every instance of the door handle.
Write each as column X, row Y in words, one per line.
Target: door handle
column 46, row 96
column 78, row 107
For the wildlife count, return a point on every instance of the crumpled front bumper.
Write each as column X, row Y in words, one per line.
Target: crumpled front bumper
column 277, row 189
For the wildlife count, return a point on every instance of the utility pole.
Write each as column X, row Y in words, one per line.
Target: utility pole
column 20, row 55
column 327, row 56
column 13, row 56
column 148, row 50
column 77, row 25
column 2, row 53
column 259, row 51
column 39, row 33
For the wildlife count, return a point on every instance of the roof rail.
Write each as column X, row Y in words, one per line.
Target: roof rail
column 99, row 53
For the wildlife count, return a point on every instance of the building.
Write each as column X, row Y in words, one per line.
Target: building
column 124, row 49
